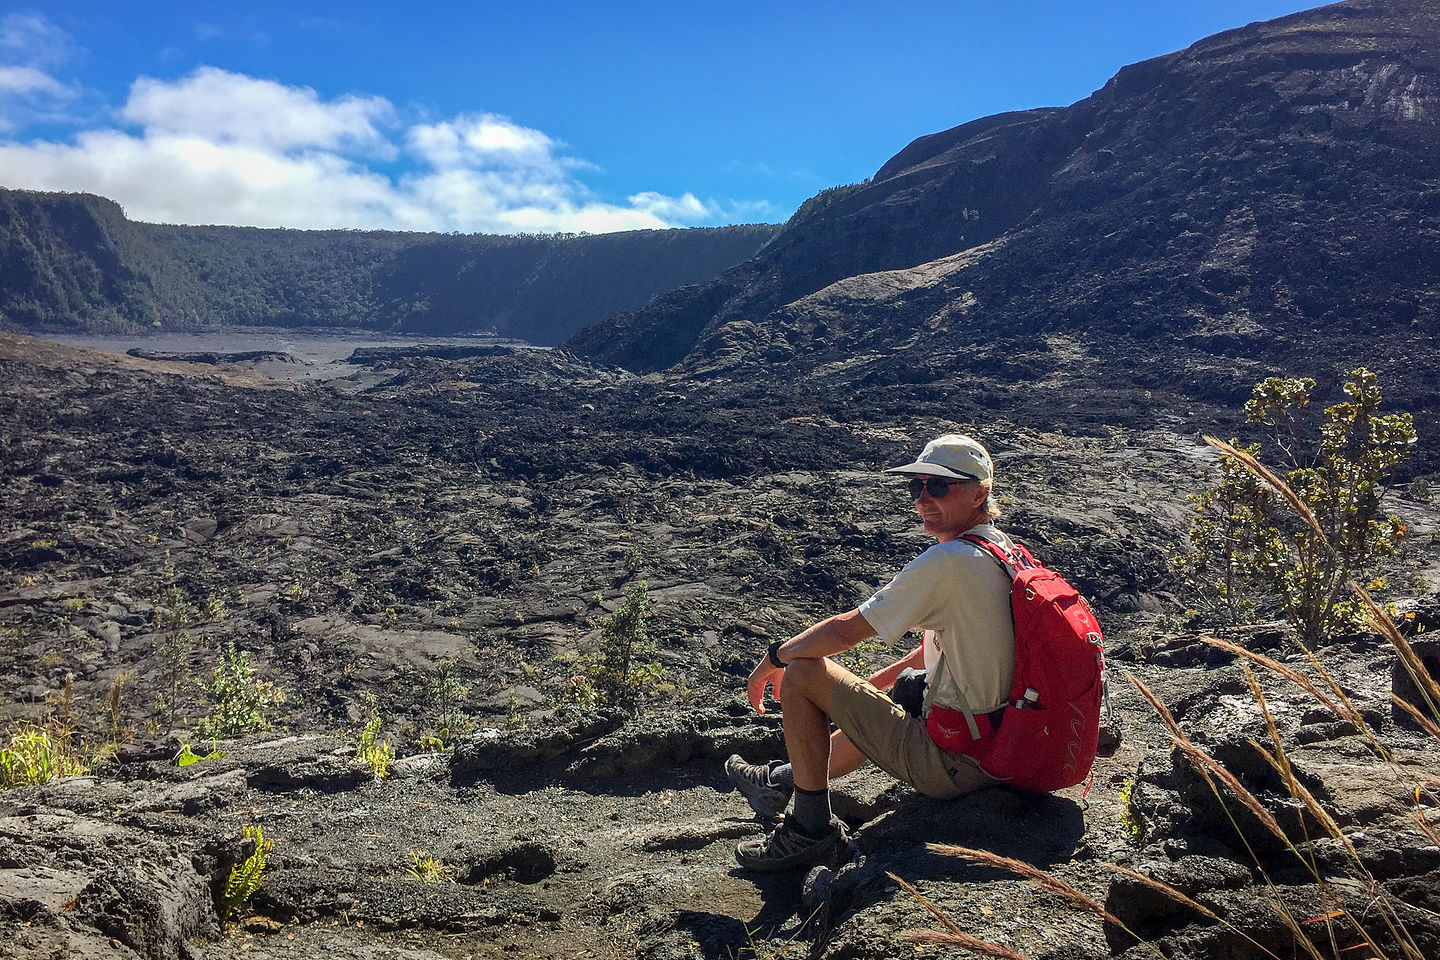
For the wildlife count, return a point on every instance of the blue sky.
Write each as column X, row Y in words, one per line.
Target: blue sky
column 539, row 116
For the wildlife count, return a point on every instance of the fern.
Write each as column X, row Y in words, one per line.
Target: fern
column 246, row 876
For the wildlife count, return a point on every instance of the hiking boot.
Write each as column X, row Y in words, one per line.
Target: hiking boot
column 786, row 848
column 753, row 781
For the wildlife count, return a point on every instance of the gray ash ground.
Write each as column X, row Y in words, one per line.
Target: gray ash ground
column 491, row 511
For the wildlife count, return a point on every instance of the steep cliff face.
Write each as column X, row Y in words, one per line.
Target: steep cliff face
column 1266, row 186
column 942, row 194
column 542, row 288
column 74, row 262
column 72, row 256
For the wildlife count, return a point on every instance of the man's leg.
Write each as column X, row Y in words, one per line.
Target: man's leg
column 808, row 740
column 845, row 757
column 805, row 696
column 809, row 834
column 767, row 787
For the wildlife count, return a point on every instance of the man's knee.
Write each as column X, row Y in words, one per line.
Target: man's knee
column 814, row 679
column 804, row 672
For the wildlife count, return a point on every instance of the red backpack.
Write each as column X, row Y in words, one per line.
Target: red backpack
column 1050, row 742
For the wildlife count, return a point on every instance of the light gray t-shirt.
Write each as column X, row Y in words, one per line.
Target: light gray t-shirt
column 959, row 595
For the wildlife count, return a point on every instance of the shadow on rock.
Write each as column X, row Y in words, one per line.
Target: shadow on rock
column 1041, row 829
column 681, row 933
column 598, row 751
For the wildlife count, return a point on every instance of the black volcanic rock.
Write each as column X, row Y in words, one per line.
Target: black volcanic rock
column 213, row 357
column 1266, row 188
column 479, row 518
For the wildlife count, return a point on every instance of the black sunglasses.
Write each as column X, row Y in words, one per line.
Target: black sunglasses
column 937, row 487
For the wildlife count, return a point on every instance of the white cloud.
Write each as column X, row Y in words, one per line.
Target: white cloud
column 172, row 179
column 509, row 204
column 226, row 107
column 481, row 140
column 24, row 80
column 222, row 147
column 686, row 207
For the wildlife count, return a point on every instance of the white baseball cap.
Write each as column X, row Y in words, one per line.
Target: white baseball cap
column 954, row 455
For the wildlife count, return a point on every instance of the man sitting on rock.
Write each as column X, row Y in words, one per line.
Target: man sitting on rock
column 960, row 597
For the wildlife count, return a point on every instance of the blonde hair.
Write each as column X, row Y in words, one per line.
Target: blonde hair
column 990, row 509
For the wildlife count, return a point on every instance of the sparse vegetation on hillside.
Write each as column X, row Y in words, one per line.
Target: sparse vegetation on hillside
column 375, row 753
column 449, row 694
column 75, row 263
column 39, row 753
column 622, row 671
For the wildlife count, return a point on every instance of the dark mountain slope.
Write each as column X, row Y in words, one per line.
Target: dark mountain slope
column 74, row 262
column 908, row 214
column 1266, row 187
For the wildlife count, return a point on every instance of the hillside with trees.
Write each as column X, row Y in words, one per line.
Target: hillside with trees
column 75, row 263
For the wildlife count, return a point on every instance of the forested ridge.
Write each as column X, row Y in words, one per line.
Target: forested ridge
column 74, row 263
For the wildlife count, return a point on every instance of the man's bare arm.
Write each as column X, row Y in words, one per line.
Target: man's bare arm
column 885, row 678
column 828, row 637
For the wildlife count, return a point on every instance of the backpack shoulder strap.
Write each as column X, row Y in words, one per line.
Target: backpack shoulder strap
column 1013, row 563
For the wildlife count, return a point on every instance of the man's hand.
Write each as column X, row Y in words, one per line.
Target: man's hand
column 765, row 674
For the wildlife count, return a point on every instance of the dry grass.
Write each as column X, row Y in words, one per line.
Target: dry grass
column 953, row 935
column 1034, row 874
column 1164, row 889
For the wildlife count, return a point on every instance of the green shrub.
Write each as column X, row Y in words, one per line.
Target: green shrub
column 215, row 607
column 1253, row 550
column 634, row 558
column 173, row 648
column 38, row 754
column 239, row 700
column 623, row 670
column 449, row 691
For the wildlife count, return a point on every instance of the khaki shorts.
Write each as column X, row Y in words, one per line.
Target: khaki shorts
column 898, row 744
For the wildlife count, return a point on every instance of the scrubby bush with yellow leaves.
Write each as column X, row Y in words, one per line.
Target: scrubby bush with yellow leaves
column 1254, row 551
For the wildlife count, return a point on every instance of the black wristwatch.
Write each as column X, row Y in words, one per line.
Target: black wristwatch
column 774, row 653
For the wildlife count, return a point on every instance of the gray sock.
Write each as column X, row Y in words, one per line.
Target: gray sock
column 782, row 776
column 811, row 812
